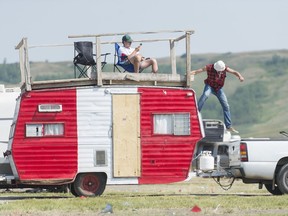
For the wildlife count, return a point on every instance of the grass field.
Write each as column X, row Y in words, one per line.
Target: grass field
column 170, row 199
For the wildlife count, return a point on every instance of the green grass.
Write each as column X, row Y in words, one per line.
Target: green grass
column 171, row 199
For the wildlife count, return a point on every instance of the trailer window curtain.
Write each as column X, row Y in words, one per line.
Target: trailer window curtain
column 174, row 124
column 163, row 124
column 53, row 129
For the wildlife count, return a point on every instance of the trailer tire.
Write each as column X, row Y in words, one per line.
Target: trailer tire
column 89, row 184
column 276, row 190
column 282, row 179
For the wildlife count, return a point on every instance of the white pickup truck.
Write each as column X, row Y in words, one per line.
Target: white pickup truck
column 265, row 161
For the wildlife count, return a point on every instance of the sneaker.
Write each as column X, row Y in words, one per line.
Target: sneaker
column 232, row 130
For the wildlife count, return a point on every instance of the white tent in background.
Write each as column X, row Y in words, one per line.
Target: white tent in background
column 8, row 98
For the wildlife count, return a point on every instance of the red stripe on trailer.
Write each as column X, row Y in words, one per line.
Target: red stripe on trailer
column 49, row 158
column 166, row 158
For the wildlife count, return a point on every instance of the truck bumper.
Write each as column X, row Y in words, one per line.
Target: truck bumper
column 259, row 170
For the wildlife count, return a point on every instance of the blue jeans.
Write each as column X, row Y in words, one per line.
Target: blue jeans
column 222, row 99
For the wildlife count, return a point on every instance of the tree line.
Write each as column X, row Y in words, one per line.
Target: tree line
column 10, row 73
column 245, row 103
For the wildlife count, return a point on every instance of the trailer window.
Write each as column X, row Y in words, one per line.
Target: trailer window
column 175, row 124
column 47, row 129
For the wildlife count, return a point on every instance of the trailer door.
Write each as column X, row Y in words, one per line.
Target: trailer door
column 126, row 135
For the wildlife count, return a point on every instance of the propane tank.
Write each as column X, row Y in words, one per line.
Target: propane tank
column 206, row 161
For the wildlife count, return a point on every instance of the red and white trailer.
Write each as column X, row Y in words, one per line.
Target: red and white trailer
column 113, row 128
column 91, row 136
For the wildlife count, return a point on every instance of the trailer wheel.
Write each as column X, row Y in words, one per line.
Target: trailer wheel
column 282, row 179
column 276, row 190
column 89, row 184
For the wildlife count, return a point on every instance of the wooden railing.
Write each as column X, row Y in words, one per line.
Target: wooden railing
column 102, row 78
column 24, row 64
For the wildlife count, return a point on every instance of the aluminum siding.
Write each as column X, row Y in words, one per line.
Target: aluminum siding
column 167, row 158
column 46, row 158
column 94, row 120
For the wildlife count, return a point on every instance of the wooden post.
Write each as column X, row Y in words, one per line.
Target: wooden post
column 24, row 63
column 27, row 66
column 21, row 57
column 188, row 60
column 98, row 62
column 173, row 56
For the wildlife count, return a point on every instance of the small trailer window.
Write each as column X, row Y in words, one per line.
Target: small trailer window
column 47, row 129
column 176, row 124
column 100, row 158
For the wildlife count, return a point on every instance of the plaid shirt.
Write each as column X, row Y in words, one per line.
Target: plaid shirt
column 215, row 79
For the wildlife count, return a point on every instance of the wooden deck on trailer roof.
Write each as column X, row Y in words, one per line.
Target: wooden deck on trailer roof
column 114, row 78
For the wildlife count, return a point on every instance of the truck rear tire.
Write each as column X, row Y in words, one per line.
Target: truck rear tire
column 276, row 190
column 282, row 179
column 89, row 184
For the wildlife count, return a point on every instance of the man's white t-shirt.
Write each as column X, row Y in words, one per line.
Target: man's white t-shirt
column 123, row 52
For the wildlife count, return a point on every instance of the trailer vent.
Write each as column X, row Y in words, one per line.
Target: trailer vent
column 49, row 107
column 100, row 158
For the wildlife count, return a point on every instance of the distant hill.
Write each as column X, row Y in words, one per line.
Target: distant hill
column 258, row 105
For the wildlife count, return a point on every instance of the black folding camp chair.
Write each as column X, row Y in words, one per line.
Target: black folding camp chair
column 84, row 60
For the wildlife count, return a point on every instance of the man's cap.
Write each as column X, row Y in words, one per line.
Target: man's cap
column 219, row 66
column 127, row 38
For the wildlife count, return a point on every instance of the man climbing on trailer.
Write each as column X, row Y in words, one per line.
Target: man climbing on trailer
column 216, row 74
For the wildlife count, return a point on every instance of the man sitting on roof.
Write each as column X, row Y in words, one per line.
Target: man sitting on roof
column 127, row 54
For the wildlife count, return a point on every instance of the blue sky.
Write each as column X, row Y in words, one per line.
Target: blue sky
column 220, row 25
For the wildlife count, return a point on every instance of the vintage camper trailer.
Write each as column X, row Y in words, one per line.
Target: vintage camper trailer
column 92, row 136
column 113, row 128
column 116, row 128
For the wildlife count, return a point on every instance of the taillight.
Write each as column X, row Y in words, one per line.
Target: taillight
column 243, row 152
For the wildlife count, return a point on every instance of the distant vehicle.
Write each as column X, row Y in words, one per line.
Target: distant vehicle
column 8, row 98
